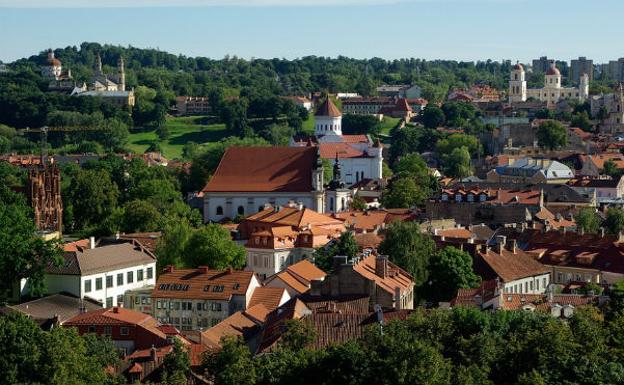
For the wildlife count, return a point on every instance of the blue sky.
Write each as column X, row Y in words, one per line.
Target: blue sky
column 431, row 29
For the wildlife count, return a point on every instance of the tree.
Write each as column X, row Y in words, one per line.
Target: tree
column 360, row 124
column 407, row 247
column 450, row 269
column 172, row 244
column 176, row 365
column 614, row 222
column 93, row 196
column 163, row 132
column 213, row 246
column 581, row 120
column 358, row 203
column 457, row 163
column 552, row 135
column 344, row 245
column 404, row 193
column 140, row 216
column 588, row 220
column 23, row 255
column 234, row 115
column 610, row 168
column 297, row 335
column 432, row 117
column 232, row 365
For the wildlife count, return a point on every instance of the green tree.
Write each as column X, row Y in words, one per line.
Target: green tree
column 582, row 121
column 404, row 193
column 588, row 220
column 93, row 197
column 432, row 117
column 610, row 168
column 456, row 164
column 344, row 245
column 23, row 255
column 358, row 203
column 172, row 244
column 213, row 246
column 552, row 135
column 176, row 365
column 614, row 222
column 232, row 365
column 140, row 216
column 407, row 247
column 450, row 269
column 297, row 335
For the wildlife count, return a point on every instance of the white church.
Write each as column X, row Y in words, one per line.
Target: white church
column 551, row 93
column 359, row 157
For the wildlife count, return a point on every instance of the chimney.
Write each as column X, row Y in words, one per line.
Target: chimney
column 500, row 243
column 115, row 309
column 397, row 298
column 169, row 269
column 91, row 243
column 381, row 266
column 203, row 269
column 153, row 354
column 484, row 248
column 602, row 232
column 512, row 245
column 315, row 287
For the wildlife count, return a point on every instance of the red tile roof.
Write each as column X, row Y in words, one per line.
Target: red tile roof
column 269, row 297
column 112, row 316
column 202, row 283
column 397, row 277
column 344, row 150
column 264, row 169
column 510, row 266
column 298, row 276
column 328, row 108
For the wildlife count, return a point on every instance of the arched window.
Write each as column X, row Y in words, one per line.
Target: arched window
column 241, row 210
column 219, row 210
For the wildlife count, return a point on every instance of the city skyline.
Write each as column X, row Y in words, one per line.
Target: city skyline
column 431, row 29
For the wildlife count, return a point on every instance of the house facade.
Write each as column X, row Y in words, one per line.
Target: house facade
column 102, row 273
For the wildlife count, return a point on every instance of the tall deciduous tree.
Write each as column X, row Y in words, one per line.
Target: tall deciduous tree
column 93, row 196
column 410, row 249
column 213, row 246
column 552, row 134
column 588, row 220
column 450, row 269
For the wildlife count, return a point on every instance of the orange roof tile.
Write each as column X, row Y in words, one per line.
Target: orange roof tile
column 397, row 277
column 259, row 169
column 269, row 297
column 202, row 284
column 328, row 108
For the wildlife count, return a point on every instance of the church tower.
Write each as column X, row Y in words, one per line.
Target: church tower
column 98, row 64
column 517, row 84
column 122, row 74
column 328, row 122
column 338, row 197
column 584, row 87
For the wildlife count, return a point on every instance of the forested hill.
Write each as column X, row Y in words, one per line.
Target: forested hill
column 197, row 76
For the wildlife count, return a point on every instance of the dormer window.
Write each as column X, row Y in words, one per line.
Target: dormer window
column 444, row 197
column 470, row 197
column 257, row 240
column 482, row 198
column 458, row 198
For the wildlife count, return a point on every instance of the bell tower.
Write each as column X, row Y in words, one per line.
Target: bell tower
column 517, row 84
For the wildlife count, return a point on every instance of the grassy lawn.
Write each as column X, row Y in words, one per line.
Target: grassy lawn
column 182, row 129
column 387, row 124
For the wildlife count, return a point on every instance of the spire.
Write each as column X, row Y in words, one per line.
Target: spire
column 122, row 73
column 98, row 64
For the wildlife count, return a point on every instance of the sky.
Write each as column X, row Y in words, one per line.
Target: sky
column 430, row 29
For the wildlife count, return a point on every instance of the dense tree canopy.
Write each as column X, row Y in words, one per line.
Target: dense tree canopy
column 552, row 134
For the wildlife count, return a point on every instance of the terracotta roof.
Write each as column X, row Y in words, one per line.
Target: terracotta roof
column 599, row 159
column 76, row 245
column 509, row 266
column 238, row 324
column 149, row 240
column 202, row 283
column 101, row 259
column 269, row 297
column 540, row 301
column 355, row 139
column 62, row 306
column 328, row 108
column 401, row 105
column 298, row 276
column 329, row 150
column 257, row 312
column 264, row 169
column 368, row 240
column 456, row 233
column 397, row 277
column 290, row 216
column 112, row 316
column 368, row 221
column 468, row 297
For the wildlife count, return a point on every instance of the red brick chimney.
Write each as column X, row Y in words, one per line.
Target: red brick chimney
column 169, row 269
column 203, row 269
column 381, row 266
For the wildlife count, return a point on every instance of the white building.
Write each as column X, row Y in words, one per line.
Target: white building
column 551, row 93
column 359, row 157
column 102, row 273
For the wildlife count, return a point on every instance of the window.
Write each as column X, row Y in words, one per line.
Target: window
column 150, row 273
column 108, row 330
column 124, row 331
column 458, row 198
column 219, row 210
column 560, row 277
column 119, row 299
column 240, row 210
column 109, row 302
column 537, row 284
column 130, row 277
column 470, row 198
column 140, row 275
column 109, row 281
column 187, row 306
column 216, row 306
column 176, row 306
column 331, row 204
column 137, row 300
column 119, row 279
column 87, row 286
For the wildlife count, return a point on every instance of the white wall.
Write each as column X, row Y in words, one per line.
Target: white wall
column 530, row 285
column 117, row 290
column 251, row 202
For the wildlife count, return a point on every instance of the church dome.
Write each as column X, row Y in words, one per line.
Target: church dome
column 518, row 67
column 52, row 61
column 553, row 71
